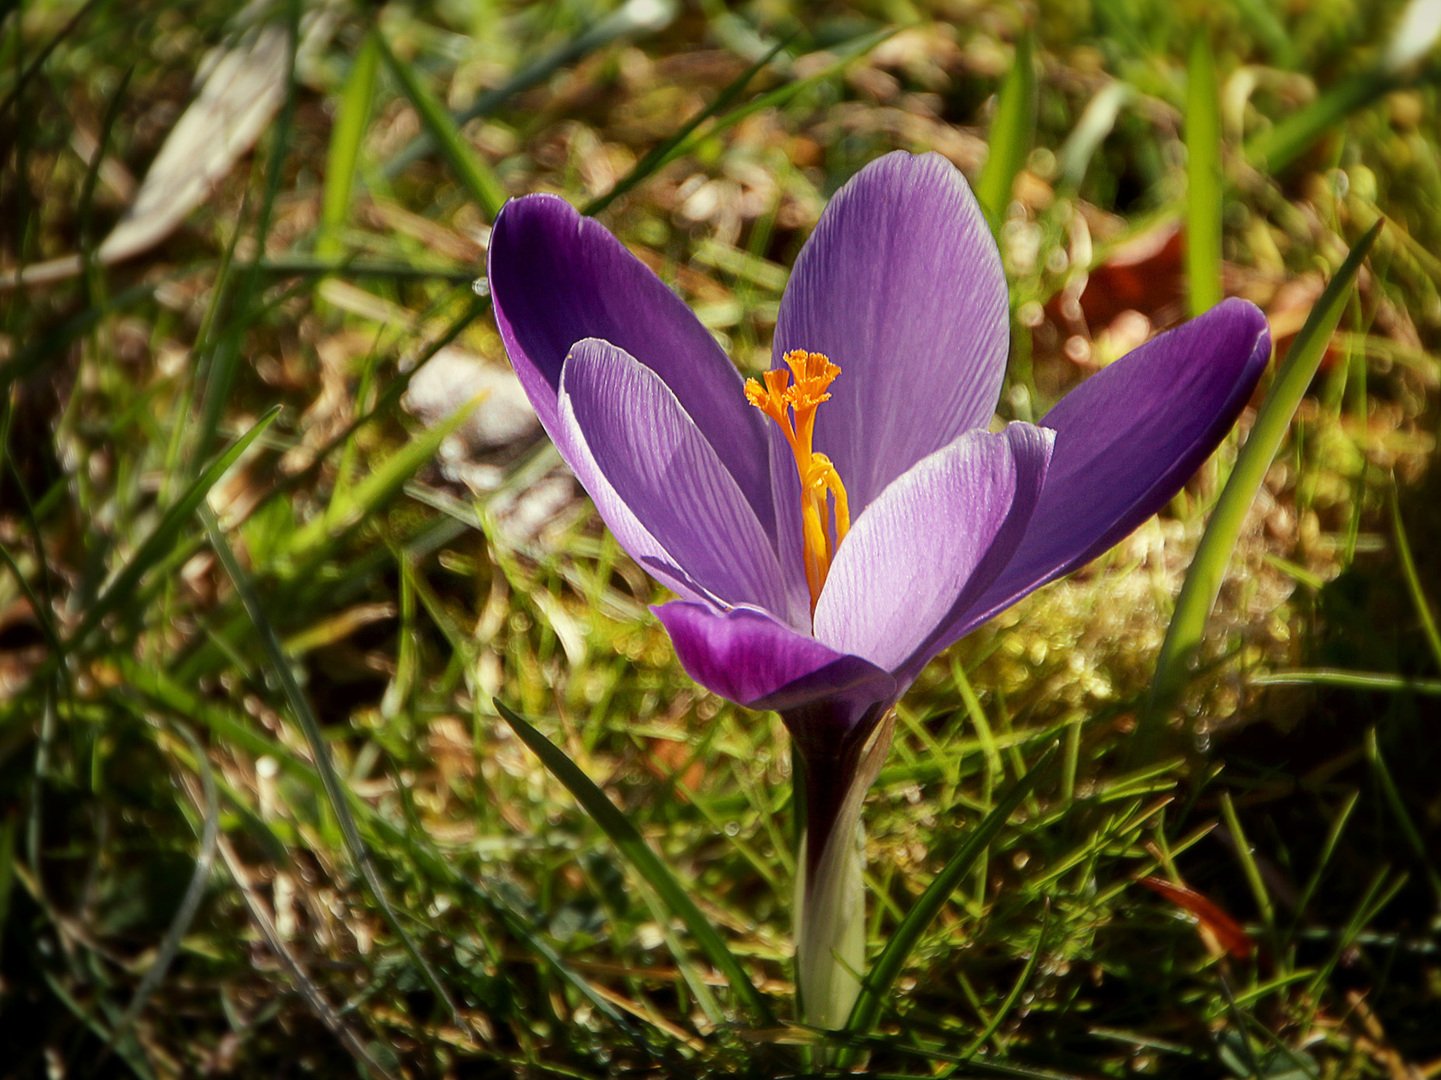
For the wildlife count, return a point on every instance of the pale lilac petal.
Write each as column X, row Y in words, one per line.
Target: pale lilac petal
column 931, row 540
column 659, row 483
column 557, row 278
column 900, row 285
column 1127, row 439
column 750, row 658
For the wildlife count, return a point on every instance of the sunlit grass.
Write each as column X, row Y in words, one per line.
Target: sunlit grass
column 256, row 602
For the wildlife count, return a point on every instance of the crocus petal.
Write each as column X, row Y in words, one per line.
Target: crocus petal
column 1127, row 439
column 557, row 277
column 750, row 658
column 901, row 285
column 658, row 482
column 915, row 554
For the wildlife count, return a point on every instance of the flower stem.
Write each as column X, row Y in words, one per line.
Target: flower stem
column 830, row 900
column 830, row 933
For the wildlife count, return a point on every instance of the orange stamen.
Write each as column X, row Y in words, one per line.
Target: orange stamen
column 793, row 407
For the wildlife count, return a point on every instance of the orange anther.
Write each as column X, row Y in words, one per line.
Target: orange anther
column 822, row 532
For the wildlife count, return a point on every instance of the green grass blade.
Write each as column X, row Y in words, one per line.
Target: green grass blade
column 1204, row 189
column 640, row 856
column 1208, row 568
column 287, row 266
column 888, row 965
column 354, row 505
column 474, row 174
column 37, row 61
column 157, row 691
column 1276, row 148
column 1011, row 133
column 1249, row 867
column 1366, row 681
column 848, row 53
column 343, row 157
column 1396, row 801
column 226, row 359
column 309, row 991
column 1302, row 907
column 1413, row 581
column 662, row 151
column 336, row 794
column 1262, row 20
column 385, row 401
column 632, row 19
column 1012, row 998
column 167, row 533
column 195, row 890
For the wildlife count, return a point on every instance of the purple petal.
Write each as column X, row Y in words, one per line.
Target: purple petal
column 1127, row 439
column 750, row 658
column 935, row 537
column 901, row 285
column 557, row 278
column 659, row 483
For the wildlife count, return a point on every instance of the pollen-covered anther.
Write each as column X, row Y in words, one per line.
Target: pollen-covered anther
column 771, row 398
column 814, row 374
column 793, row 407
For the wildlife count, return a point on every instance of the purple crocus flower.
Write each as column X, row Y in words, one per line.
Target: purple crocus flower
column 827, row 536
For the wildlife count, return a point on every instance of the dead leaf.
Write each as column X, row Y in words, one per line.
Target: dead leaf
column 240, row 89
column 1227, row 932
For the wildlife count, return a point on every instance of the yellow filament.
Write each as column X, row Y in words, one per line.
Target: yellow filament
column 793, row 405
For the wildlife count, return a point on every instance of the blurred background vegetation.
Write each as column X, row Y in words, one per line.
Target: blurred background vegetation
column 261, row 580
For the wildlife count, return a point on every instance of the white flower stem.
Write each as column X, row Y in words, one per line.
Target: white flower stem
column 830, row 929
column 830, row 901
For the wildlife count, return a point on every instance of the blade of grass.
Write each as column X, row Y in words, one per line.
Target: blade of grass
column 887, row 966
column 1263, row 21
column 385, row 401
column 1413, row 580
column 1014, row 996
column 345, row 468
column 44, row 615
column 1350, row 680
column 850, row 51
column 381, row 484
column 43, row 54
column 1378, row 894
column 1323, row 860
column 343, row 157
column 1213, row 555
column 1277, row 147
column 640, row 856
column 158, row 544
column 335, row 791
column 190, row 902
column 1204, row 188
column 129, row 1052
column 307, row 987
column 1249, row 867
column 157, row 691
column 86, row 202
column 661, row 152
column 1011, row 134
column 355, row 269
column 632, row 18
column 474, row 174
column 225, row 360
column 1397, row 802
